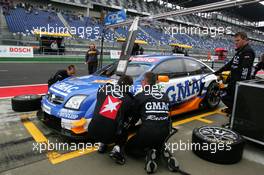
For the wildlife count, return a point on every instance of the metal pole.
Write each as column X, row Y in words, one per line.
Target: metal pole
column 201, row 8
column 102, row 46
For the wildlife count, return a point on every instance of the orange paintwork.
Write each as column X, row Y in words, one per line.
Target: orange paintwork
column 187, row 106
column 78, row 126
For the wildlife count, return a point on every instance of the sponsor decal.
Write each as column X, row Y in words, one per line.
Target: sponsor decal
column 103, row 81
column 180, row 91
column 140, row 59
column 110, row 107
column 65, row 87
column 66, row 113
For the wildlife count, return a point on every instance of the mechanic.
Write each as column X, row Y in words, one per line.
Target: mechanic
column 259, row 66
column 62, row 74
column 240, row 67
column 111, row 116
column 152, row 108
column 91, row 58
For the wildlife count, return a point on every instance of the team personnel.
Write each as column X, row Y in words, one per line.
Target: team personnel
column 152, row 107
column 62, row 74
column 91, row 58
column 240, row 67
column 259, row 66
column 111, row 116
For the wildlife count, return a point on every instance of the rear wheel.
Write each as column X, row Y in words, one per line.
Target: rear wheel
column 212, row 98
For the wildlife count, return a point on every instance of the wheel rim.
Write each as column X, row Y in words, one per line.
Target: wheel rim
column 218, row 134
column 213, row 96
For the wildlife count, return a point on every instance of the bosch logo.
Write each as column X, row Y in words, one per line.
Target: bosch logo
column 20, row 50
column 2, row 50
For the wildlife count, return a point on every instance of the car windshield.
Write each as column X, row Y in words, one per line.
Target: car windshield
column 134, row 69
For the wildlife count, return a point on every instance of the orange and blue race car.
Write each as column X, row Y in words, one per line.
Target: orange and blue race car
column 190, row 84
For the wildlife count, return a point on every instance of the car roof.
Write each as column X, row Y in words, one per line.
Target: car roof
column 163, row 57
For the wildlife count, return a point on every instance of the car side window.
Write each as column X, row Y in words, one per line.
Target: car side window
column 172, row 68
column 195, row 68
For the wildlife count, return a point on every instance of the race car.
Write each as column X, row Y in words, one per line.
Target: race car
column 190, row 84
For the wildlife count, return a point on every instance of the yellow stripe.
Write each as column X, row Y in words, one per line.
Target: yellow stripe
column 55, row 158
column 193, row 118
column 35, row 132
column 63, row 157
column 205, row 120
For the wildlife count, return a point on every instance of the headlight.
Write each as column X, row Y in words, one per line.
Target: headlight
column 75, row 102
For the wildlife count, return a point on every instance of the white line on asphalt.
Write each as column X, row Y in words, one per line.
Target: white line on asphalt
column 23, row 85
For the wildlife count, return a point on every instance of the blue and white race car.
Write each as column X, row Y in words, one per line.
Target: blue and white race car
column 68, row 107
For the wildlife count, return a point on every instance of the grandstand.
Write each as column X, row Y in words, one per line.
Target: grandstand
column 21, row 18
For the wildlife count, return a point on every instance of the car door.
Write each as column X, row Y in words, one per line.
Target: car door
column 175, row 70
column 195, row 73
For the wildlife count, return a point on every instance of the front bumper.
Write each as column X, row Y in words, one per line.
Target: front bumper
column 54, row 123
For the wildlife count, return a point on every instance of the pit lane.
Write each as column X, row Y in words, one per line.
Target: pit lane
column 19, row 131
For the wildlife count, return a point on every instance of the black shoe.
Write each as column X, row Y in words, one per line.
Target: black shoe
column 151, row 165
column 172, row 163
column 117, row 155
column 102, row 148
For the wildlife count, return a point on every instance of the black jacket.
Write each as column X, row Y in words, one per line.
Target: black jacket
column 112, row 110
column 59, row 76
column 152, row 107
column 240, row 66
column 91, row 56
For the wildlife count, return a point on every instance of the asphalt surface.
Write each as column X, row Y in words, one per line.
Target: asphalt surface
column 18, row 157
column 12, row 74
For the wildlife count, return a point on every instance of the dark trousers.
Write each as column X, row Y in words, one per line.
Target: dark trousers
column 92, row 67
column 146, row 138
column 228, row 98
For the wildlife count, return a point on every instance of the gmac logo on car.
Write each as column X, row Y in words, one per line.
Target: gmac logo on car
column 180, row 91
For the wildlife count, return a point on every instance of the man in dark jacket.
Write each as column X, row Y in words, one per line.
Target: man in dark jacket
column 259, row 66
column 91, row 58
column 62, row 74
column 111, row 116
column 152, row 107
column 240, row 67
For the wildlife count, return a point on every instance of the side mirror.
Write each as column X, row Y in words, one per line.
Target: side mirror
column 163, row 78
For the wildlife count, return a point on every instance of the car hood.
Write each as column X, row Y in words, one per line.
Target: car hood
column 86, row 85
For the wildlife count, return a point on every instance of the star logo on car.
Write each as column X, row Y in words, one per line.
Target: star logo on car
column 110, row 107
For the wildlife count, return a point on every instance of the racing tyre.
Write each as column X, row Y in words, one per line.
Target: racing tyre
column 212, row 98
column 218, row 145
column 24, row 103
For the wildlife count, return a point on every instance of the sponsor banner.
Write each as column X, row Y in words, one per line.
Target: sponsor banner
column 214, row 58
column 115, row 54
column 115, row 17
column 16, row 51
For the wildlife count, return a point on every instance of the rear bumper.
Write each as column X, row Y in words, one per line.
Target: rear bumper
column 54, row 123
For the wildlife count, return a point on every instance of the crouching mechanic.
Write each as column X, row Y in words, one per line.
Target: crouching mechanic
column 152, row 107
column 111, row 116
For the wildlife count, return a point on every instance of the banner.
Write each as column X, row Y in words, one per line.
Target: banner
column 115, row 17
column 115, row 54
column 16, row 51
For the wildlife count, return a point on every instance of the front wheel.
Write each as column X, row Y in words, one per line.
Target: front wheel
column 212, row 98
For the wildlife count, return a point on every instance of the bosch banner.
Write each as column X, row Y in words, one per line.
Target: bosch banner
column 16, row 51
